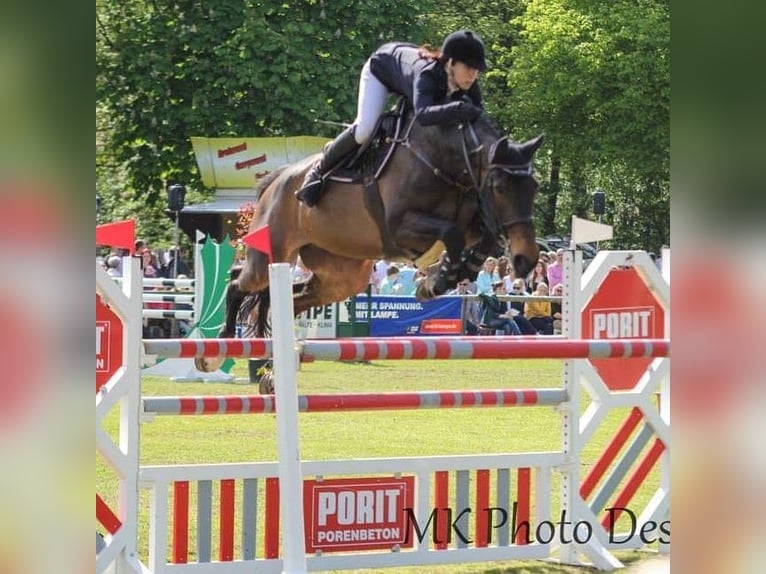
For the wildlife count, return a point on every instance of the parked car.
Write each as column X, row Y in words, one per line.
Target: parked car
column 557, row 241
column 554, row 242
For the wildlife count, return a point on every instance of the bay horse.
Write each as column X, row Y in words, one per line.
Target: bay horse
column 446, row 191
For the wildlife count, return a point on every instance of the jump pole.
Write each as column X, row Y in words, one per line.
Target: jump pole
column 288, row 443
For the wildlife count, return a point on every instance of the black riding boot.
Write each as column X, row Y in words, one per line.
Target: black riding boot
column 334, row 152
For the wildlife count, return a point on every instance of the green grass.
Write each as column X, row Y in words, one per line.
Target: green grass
column 325, row 436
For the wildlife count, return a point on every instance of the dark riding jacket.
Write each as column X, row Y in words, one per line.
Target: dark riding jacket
column 422, row 81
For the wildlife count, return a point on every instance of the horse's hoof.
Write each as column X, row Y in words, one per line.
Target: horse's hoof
column 266, row 384
column 422, row 292
column 208, row 364
column 223, row 334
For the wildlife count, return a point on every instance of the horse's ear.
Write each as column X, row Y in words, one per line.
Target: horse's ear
column 531, row 146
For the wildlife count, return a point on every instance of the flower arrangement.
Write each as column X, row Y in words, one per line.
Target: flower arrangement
column 244, row 217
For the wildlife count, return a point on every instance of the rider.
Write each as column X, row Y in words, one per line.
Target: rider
column 439, row 84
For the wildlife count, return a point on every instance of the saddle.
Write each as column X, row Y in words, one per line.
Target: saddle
column 373, row 157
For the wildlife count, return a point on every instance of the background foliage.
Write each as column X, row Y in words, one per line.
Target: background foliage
column 594, row 76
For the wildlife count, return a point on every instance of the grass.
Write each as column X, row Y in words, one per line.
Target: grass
column 325, row 436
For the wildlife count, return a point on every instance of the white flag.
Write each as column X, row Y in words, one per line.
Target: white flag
column 585, row 231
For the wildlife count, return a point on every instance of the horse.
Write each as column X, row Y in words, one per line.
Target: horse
column 447, row 195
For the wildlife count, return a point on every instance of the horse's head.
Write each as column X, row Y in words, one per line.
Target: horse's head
column 476, row 160
column 507, row 197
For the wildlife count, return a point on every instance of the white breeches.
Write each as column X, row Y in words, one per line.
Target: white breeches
column 370, row 104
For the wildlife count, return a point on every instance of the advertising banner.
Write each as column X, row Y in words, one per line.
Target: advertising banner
column 316, row 323
column 346, row 514
column 237, row 163
column 109, row 334
column 405, row 316
column 607, row 316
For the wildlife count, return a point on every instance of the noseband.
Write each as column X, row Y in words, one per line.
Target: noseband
column 514, row 170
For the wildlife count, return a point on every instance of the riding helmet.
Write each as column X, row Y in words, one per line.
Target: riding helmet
column 465, row 46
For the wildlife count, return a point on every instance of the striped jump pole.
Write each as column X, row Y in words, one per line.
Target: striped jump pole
column 190, row 348
column 162, row 282
column 185, row 314
column 320, row 403
column 416, row 348
column 155, row 297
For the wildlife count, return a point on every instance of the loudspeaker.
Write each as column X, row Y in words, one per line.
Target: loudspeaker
column 599, row 202
column 176, row 196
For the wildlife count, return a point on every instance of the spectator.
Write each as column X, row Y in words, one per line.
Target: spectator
column 184, row 326
column 149, row 264
column 505, row 272
column 517, row 308
column 538, row 275
column 113, row 266
column 555, row 271
column 539, row 312
column 407, row 276
column 170, row 269
column 557, row 291
column 378, row 275
column 392, row 284
column 487, row 276
column 495, row 313
column 119, row 252
column 471, row 317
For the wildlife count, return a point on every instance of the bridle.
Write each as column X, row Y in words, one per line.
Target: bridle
column 489, row 215
column 514, row 170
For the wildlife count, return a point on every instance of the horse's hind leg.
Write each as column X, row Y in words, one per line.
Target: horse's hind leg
column 250, row 277
column 334, row 278
column 234, row 298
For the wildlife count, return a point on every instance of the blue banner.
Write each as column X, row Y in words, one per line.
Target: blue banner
column 405, row 316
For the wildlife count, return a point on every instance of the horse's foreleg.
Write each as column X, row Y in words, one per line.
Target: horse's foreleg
column 418, row 232
column 472, row 259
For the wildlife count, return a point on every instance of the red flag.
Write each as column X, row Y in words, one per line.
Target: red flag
column 260, row 239
column 117, row 234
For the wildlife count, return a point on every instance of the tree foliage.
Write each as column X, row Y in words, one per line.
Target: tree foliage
column 171, row 69
column 595, row 76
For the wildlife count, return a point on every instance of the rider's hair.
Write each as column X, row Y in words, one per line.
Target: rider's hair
column 429, row 52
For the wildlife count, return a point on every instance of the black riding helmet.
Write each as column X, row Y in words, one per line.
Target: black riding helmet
column 465, row 46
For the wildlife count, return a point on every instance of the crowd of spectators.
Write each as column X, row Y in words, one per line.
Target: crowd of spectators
column 166, row 263
column 535, row 306
column 154, row 263
column 487, row 307
column 394, row 278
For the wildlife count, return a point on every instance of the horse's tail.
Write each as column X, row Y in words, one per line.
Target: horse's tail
column 260, row 303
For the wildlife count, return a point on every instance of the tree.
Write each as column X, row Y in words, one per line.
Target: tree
column 168, row 70
column 595, row 77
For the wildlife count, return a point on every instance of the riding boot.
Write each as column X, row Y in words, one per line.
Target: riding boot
column 334, row 152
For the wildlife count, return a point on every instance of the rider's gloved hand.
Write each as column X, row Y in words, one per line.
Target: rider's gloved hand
column 468, row 112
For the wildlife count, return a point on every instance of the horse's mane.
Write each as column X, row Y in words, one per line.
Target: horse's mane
column 491, row 123
column 266, row 181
